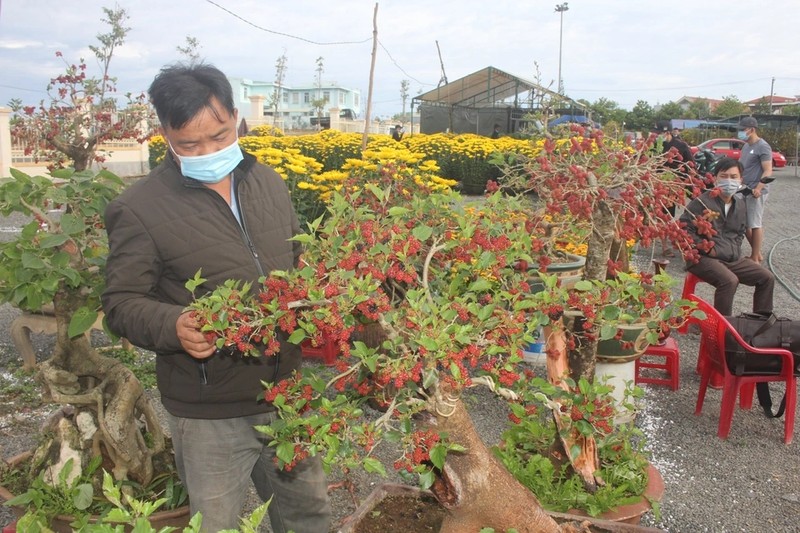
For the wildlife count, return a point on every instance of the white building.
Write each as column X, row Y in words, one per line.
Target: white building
column 254, row 100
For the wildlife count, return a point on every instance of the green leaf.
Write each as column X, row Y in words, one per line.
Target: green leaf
column 82, row 321
column 372, row 465
column 297, row 336
column 426, row 479
column 82, row 496
column 31, row 261
column 285, row 452
column 72, row 224
column 52, row 240
column 422, row 233
column 438, row 455
column 583, row 285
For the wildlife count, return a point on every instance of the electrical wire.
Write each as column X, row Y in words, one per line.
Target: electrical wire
column 780, row 280
column 285, row 34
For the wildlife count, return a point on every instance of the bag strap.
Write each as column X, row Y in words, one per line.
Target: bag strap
column 765, row 400
column 768, row 323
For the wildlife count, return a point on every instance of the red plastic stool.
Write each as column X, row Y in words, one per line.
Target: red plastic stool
column 670, row 365
column 327, row 351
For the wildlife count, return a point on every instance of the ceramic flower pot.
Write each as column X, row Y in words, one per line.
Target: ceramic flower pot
column 569, row 271
column 178, row 518
column 623, row 519
column 629, row 348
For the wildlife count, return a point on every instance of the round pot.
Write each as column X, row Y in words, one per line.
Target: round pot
column 178, row 518
column 613, row 351
column 568, row 272
column 633, row 512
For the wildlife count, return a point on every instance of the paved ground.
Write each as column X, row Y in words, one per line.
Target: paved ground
column 747, row 483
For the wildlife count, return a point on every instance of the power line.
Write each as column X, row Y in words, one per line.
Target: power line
column 284, row 34
column 399, row 67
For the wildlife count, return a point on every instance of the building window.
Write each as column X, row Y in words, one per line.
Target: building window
column 295, row 98
column 355, row 100
column 244, row 90
column 341, row 98
column 326, row 95
column 306, row 98
column 285, row 97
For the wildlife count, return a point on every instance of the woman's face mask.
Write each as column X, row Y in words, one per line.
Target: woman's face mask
column 213, row 167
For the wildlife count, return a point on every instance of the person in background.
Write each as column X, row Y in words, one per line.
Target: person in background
column 756, row 159
column 397, row 132
column 212, row 208
column 676, row 133
column 682, row 149
column 719, row 217
column 679, row 163
column 496, row 132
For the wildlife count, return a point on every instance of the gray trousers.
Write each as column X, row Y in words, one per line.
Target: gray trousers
column 726, row 277
column 216, row 459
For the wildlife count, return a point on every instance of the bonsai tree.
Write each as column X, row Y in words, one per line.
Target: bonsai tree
column 59, row 257
column 425, row 297
column 82, row 111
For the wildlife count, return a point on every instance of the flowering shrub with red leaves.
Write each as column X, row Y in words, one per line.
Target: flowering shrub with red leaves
column 82, row 111
column 613, row 193
column 438, row 277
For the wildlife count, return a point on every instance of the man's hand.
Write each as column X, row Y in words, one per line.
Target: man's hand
column 757, row 190
column 192, row 340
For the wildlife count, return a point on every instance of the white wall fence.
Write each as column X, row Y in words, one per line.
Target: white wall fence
column 128, row 158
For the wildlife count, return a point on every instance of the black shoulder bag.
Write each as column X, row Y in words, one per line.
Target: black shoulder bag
column 762, row 331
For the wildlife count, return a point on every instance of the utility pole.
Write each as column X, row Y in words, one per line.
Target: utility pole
column 771, row 93
column 368, row 115
column 560, row 9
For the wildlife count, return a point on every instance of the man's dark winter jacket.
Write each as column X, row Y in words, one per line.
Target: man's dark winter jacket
column 165, row 228
column 730, row 228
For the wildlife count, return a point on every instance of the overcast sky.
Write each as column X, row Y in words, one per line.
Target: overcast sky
column 625, row 51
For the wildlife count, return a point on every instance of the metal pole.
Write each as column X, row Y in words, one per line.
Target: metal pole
column 560, row 8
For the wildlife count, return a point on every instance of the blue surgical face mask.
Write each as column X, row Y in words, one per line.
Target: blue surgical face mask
column 742, row 135
column 213, row 167
column 728, row 187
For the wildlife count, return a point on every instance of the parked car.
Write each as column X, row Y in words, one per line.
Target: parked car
column 733, row 148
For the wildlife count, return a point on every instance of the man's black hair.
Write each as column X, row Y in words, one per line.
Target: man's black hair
column 180, row 91
column 727, row 163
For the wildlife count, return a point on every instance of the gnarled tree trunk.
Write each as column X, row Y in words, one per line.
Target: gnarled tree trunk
column 108, row 412
column 480, row 492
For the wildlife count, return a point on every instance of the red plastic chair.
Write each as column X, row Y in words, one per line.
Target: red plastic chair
column 713, row 330
column 668, row 367
column 689, row 285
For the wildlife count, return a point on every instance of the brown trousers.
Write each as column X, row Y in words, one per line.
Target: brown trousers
column 726, row 277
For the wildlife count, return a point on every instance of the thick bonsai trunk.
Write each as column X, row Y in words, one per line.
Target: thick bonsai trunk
column 587, row 461
column 582, row 359
column 478, row 491
column 106, row 412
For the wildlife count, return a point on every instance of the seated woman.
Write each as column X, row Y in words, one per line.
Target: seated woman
column 716, row 220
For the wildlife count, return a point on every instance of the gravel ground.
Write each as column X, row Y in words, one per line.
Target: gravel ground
column 747, row 483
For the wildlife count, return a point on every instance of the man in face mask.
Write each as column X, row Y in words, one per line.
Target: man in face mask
column 717, row 220
column 756, row 159
column 211, row 207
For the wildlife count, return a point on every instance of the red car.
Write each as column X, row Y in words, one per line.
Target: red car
column 732, row 148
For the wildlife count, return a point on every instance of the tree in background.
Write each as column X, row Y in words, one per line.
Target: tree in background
column 318, row 104
column 82, row 112
column 604, row 110
column 700, row 108
column 404, row 85
column 191, row 51
column 669, row 111
column 762, row 107
column 641, row 117
column 277, row 93
column 730, row 106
